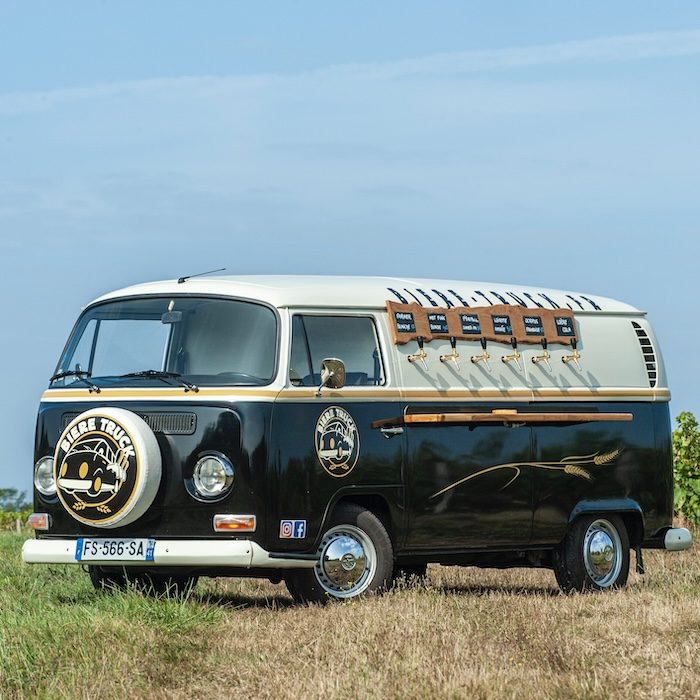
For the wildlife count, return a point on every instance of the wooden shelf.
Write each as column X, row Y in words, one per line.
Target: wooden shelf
column 502, row 416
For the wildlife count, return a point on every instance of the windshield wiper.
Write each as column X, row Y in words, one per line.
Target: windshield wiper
column 81, row 376
column 160, row 374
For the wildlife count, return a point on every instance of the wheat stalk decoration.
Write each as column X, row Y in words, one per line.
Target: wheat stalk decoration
column 569, row 465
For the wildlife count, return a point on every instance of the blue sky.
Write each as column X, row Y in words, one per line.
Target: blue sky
column 535, row 143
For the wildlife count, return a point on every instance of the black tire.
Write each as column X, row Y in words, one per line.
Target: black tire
column 355, row 558
column 106, row 580
column 594, row 556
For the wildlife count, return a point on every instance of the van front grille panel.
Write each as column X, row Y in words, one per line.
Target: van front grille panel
column 163, row 423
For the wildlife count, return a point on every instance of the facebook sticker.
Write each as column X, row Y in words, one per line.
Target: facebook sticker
column 292, row 529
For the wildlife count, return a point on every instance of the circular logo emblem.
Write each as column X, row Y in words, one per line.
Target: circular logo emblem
column 96, row 468
column 337, row 441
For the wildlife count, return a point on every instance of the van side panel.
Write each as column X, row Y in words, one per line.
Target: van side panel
column 465, row 486
column 306, row 484
column 602, row 462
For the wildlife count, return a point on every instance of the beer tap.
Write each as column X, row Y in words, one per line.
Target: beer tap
column 544, row 357
column 515, row 355
column 484, row 357
column 454, row 355
column 421, row 355
column 574, row 357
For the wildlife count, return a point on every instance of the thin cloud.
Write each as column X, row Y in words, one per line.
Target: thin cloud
column 629, row 47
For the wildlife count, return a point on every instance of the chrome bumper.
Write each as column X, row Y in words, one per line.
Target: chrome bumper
column 242, row 554
column 677, row 539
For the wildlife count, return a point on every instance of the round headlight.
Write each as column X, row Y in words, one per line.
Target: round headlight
column 43, row 477
column 212, row 476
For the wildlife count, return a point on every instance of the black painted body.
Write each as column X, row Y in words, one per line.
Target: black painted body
column 485, row 519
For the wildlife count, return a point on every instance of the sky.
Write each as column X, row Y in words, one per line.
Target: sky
column 544, row 143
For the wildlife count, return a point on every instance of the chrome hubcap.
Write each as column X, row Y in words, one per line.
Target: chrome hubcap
column 602, row 553
column 346, row 562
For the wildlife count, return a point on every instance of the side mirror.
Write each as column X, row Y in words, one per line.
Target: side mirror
column 332, row 374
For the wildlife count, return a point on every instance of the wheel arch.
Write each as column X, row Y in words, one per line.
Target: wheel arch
column 383, row 503
column 628, row 509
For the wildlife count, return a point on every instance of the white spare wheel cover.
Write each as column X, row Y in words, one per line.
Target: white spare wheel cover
column 107, row 467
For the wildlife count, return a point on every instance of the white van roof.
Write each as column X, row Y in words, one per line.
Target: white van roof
column 299, row 291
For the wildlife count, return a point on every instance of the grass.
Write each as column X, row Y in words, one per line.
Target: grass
column 465, row 633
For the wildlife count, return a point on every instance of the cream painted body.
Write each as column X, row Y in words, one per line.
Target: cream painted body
column 612, row 365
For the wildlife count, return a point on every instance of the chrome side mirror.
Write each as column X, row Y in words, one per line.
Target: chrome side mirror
column 332, row 374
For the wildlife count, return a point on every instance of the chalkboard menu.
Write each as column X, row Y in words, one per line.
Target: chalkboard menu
column 470, row 324
column 405, row 322
column 565, row 326
column 533, row 325
column 501, row 324
column 437, row 323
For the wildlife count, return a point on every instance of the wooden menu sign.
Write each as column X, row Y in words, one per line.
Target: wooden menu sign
column 499, row 323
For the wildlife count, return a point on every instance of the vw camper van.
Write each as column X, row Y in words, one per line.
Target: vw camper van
column 335, row 433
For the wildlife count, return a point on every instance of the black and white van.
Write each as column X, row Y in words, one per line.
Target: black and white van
column 336, row 432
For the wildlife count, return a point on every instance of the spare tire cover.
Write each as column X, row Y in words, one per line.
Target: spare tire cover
column 107, row 467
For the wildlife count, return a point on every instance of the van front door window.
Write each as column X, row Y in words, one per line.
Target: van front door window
column 352, row 339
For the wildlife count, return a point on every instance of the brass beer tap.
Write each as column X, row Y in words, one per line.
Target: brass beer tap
column 454, row 355
column 421, row 355
column 484, row 357
column 514, row 356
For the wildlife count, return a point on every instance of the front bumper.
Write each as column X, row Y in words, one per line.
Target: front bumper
column 239, row 554
column 677, row 539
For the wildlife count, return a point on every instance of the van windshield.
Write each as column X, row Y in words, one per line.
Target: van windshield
column 207, row 341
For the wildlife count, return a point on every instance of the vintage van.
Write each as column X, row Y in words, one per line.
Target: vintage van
column 335, row 433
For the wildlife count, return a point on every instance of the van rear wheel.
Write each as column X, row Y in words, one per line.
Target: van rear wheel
column 355, row 557
column 595, row 555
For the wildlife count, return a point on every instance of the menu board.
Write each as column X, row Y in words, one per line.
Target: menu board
column 499, row 323
column 533, row 325
column 565, row 326
column 438, row 324
column 469, row 324
column 502, row 325
column 408, row 322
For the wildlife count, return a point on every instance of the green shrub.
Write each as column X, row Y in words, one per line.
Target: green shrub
column 686, row 459
column 9, row 518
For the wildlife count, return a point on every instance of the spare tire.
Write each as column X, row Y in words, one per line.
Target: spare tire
column 107, row 467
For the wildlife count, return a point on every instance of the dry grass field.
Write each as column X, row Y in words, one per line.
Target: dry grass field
column 465, row 633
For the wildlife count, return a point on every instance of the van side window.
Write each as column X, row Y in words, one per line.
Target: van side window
column 352, row 339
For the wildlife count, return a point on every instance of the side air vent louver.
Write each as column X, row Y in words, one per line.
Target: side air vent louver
column 648, row 352
column 163, row 423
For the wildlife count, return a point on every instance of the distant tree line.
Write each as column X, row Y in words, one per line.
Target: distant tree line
column 13, row 500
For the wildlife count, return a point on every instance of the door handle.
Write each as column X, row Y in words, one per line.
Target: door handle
column 388, row 432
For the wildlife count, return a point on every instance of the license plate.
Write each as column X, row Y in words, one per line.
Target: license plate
column 114, row 549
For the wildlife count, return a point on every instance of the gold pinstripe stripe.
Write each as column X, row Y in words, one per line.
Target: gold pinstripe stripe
column 376, row 394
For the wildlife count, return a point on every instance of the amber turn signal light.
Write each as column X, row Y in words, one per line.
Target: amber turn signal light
column 225, row 522
column 39, row 521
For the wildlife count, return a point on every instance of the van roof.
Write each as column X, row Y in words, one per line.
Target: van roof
column 301, row 291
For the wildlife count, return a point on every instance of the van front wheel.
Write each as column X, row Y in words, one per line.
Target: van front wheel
column 595, row 555
column 355, row 557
